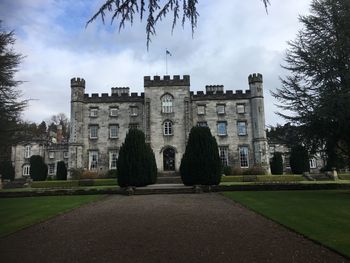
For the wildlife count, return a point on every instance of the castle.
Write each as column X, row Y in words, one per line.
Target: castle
column 165, row 112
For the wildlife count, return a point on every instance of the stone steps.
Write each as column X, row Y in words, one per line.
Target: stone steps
column 169, row 180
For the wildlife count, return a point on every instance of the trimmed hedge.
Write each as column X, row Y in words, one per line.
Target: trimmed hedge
column 344, row 176
column 7, row 171
column 299, row 160
column 265, row 178
column 74, row 183
column 276, row 163
column 38, row 168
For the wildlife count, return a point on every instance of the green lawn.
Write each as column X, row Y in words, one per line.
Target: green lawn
column 320, row 215
column 18, row 213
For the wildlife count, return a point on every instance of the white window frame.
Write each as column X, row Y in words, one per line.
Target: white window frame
column 218, row 129
column 113, row 111
column 51, row 168
column 240, row 108
column 167, row 103
column 313, row 163
column 242, row 128
column 113, row 158
column 26, row 170
column 220, row 108
column 168, row 128
column 92, row 134
column 94, row 112
column 27, row 151
column 93, row 160
column 223, row 153
column 134, row 111
column 51, row 155
column 201, row 109
column 243, row 152
column 113, row 131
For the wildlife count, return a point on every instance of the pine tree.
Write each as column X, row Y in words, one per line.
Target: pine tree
column 276, row 163
column 299, row 160
column 38, row 168
column 201, row 163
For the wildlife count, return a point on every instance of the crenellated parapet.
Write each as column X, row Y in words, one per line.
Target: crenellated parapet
column 157, row 81
column 256, row 77
column 77, row 82
column 214, row 89
column 221, row 95
column 114, row 97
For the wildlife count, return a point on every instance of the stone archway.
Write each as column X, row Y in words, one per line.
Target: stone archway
column 169, row 159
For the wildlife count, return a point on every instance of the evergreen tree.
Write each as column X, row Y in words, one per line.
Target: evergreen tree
column 7, row 171
column 38, row 168
column 61, row 172
column 299, row 160
column 201, row 162
column 276, row 163
column 136, row 163
column 317, row 91
column 125, row 11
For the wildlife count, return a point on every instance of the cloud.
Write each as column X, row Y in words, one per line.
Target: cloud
column 233, row 39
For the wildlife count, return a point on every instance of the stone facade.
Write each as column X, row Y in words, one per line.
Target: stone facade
column 165, row 112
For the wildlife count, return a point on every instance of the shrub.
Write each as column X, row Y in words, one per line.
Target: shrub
column 112, row 174
column 38, row 169
column 7, row 171
column 236, row 178
column 299, row 160
column 255, row 170
column 277, row 163
column 61, row 173
column 75, row 173
column 54, row 184
column 227, row 170
column 136, row 163
column 89, row 175
column 201, row 163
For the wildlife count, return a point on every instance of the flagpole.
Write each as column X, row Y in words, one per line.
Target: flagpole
column 166, row 62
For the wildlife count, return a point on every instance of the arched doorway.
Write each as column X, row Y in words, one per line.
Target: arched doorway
column 169, row 159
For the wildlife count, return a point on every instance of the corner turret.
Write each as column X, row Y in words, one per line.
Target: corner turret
column 77, row 89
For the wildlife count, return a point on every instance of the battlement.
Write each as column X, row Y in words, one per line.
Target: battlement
column 256, row 77
column 228, row 95
column 77, row 82
column 114, row 97
column 119, row 91
column 166, row 81
column 212, row 89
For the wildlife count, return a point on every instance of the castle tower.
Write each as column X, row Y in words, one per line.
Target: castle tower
column 260, row 147
column 76, row 127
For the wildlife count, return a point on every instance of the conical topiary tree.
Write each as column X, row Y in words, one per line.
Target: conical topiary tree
column 38, row 168
column 276, row 163
column 299, row 160
column 136, row 162
column 201, row 162
column 61, row 171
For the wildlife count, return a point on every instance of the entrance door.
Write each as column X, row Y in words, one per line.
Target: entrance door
column 169, row 159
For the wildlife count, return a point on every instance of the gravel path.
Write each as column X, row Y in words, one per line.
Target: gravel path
column 161, row 228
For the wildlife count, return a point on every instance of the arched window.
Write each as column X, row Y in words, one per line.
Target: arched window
column 168, row 128
column 167, row 103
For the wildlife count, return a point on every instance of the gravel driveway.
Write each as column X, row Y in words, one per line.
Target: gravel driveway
column 161, row 228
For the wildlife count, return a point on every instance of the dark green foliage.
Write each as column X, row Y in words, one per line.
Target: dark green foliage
column 38, row 169
column 255, row 170
column 201, row 163
column 227, row 170
column 276, row 163
column 299, row 160
column 136, row 162
column 112, row 174
column 7, row 171
column 61, row 173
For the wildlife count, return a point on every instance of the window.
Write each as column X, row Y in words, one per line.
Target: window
column 242, row 128
column 93, row 132
column 313, row 163
column 167, row 103
column 222, row 131
column 243, row 157
column 113, row 157
column 93, row 112
column 27, row 151
column 220, row 109
column 201, row 109
column 134, row 111
column 113, row 131
column 113, row 112
column 51, row 167
column 65, row 155
column 168, row 128
column 51, row 155
column 223, row 152
column 240, row 108
column 202, row 124
column 26, row 170
column 93, row 160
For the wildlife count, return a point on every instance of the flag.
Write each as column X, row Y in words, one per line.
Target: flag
column 167, row 52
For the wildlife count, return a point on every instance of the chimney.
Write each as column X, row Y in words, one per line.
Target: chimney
column 59, row 135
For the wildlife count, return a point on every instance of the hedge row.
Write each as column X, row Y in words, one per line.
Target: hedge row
column 73, row 183
column 344, row 176
column 265, row 178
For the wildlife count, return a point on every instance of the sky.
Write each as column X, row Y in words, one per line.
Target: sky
column 233, row 39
